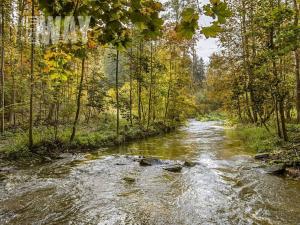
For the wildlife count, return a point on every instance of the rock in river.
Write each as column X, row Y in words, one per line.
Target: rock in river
column 276, row 169
column 150, row 161
column 262, row 156
column 129, row 179
column 174, row 168
column 189, row 164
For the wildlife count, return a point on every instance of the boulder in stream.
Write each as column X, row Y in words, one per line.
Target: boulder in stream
column 189, row 164
column 173, row 168
column 277, row 169
column 262, row 156
column 149, row 161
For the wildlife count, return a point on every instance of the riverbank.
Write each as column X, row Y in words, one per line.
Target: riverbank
column 48, row 146
column 279, row 156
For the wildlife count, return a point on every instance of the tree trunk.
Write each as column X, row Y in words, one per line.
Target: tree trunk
column 30, row 141
column 2, row 70
column 277, row 119
column 150, row 88
column 117, row 93
column 282, row 119
column 130, row 94
column 140, row 85
column 169, row 91
column 297, row 73
column 246, row 63
column 78, row 100
column 297, row 64
column 13, row 93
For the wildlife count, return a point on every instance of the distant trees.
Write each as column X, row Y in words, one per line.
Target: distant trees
column 257, row 80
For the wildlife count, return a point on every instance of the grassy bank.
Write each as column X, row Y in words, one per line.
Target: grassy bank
column 263, row 141
column 47, row 143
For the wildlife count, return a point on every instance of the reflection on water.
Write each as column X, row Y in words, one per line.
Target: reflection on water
column 225, row 188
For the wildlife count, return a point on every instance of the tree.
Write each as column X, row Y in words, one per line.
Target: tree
column 31, row 75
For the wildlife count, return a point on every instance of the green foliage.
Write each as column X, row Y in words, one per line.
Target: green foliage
column 213, row 30
column 213, row 116
column 217, row 10
column 188, row 24
column 258, row 138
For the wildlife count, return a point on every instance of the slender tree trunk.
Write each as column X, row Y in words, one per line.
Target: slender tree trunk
column 282, row 119
column 239, row 109
column 297, row 64
column 2, row 69
column 13, row 93
column 169, row 91
column 56, row 119
column 151, row 83
column 297, row 72
column 277, row 118
column 30, row 142
column 78, row 100
column 117, row 93
column 248, row 107
column 140, row 85
column 130, row 94
column 248, row 69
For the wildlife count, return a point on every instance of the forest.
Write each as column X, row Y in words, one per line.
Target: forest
column 143, row 112
column 85, row 73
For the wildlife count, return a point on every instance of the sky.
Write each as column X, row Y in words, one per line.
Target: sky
column 206, row 47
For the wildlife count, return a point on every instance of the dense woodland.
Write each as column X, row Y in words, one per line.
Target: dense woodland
column 136, row 69
column 256, row 75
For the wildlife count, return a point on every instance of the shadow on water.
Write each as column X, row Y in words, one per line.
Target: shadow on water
column 226, row 187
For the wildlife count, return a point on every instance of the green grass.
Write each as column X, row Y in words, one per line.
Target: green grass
column 101, row 134
column 258, row 138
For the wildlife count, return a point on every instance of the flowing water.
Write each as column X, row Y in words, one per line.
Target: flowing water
column 226, row 187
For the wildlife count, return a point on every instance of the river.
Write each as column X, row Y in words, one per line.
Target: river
column 226, row 187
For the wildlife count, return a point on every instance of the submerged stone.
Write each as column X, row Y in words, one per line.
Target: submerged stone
column 173, row 168
column 189, row 164
column 129, row 179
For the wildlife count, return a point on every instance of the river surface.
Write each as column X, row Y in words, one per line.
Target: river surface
column 226, row 187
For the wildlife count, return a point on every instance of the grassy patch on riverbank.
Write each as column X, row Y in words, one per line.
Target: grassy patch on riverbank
column 263, row 141
column 47, row 143
column 258, row 138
